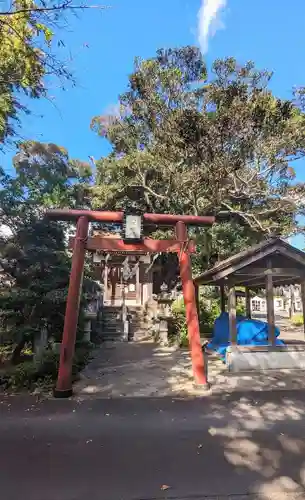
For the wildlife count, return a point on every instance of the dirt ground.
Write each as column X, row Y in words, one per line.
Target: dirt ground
column 145, row 369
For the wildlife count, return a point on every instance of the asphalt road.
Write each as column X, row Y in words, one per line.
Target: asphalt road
column 130, row 449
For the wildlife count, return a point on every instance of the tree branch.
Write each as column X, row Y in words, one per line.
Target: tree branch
column 247, row 218
column 62, row 6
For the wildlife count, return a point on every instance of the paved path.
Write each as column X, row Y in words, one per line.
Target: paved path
column 237, row 447
column 290, row 333
column 144, row 369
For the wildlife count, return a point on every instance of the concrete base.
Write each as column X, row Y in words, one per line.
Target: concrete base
column 68, row 393
column 240, row 358
column 202, row 387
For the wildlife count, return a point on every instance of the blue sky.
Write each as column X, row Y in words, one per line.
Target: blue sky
column 270, row 32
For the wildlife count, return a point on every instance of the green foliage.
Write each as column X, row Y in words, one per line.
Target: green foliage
column 178, row 327
column 28, row 57
column 240, row 308
column 43, row 372
column 297, row 320
column 207, row 315
column 34, row 255
column 22, row 376
column 45, row 177
column 204, row 143
column 5, row 353
column 39, row 267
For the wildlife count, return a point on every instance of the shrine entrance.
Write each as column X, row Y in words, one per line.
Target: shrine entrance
column 115, row 290
column 109, row 271
column 132, row 242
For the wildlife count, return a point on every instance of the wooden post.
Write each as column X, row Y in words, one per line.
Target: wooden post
column 303, row 302
column 197, row 357
column 222, row 299
column 248, row 303
column 64, row 381
column 232, row 316
column 292, row 298
column 270, row 306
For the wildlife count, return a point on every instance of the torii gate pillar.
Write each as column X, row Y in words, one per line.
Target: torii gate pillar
column 64, row 379
column 189, row 296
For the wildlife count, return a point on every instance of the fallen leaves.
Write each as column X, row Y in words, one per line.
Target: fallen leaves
column 164, row 487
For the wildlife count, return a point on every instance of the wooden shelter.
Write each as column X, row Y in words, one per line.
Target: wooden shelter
column 269, row 264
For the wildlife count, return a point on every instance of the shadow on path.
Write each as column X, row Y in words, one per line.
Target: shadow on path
column 145, row 369
column 246, row 446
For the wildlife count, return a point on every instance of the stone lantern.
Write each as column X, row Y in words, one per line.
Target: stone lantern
column 90, row 313
column 164, row 314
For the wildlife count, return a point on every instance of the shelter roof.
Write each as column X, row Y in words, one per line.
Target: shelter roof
column 250, row 267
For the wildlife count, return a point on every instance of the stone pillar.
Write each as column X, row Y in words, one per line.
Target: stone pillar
column 163, row 332
column 149, row 285
column 105, row 292
column 138, row 285
column 87, row 330
column 40, row 343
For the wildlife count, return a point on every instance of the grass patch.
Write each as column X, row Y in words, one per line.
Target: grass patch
column 41, row 374
column 297, row 320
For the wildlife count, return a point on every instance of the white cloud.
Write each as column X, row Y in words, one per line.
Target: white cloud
column 208, row 21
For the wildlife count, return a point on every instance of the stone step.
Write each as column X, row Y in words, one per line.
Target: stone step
column 114, row 335
column 112, row 323
column 106, row 328
column 111, row 332
column 110, row 338
column 106, row 322
column 137, row 327
column 112, row 320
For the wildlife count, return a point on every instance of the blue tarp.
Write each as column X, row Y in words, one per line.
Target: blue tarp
column 249, row 332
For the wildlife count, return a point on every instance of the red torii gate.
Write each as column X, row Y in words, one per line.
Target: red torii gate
column 82, row 242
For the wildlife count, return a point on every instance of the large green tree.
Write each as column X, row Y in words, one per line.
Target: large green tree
column 33, row 251
column 45, row 177
column 202, row 143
